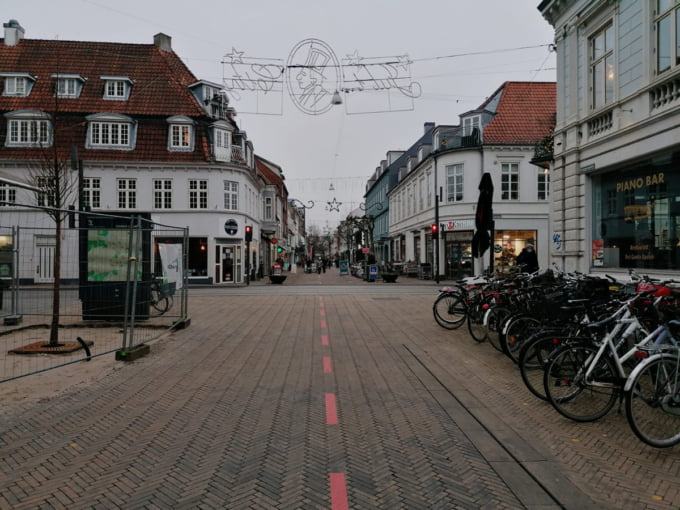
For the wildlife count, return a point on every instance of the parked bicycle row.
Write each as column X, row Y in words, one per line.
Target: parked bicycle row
column 582, row 343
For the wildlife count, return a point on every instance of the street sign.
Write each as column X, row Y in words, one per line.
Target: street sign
column 365, row 250
column 274, row 240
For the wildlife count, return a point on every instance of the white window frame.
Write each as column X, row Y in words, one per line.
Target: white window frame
column 198, row 193
column 542, row 184
column 268, row 208
column 454, row 183
column 92, row 194
column 116, row 88
column 127, row 193
column 510, row 182
column 180, row 136
column 17, row 84
column 470, row 123
column 162, row 193
column 109, row 134
column 602, row 66
column 28, row 132
column 667, row 11
column 231, row 195
column 8, row 195
column 45, row 195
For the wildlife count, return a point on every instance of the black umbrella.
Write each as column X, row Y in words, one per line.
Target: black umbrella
column 483, row 217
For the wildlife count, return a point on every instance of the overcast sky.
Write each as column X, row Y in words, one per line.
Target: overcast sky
column 459, row 52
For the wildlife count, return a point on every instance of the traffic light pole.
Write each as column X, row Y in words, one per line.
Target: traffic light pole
column 436, row 222
column 248, row 263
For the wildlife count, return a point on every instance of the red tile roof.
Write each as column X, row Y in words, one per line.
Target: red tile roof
column 525, row 113
column 159, row 90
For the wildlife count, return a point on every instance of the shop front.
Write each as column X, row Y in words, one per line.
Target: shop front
column 228, row 262
column 507, row 245
column 636, row 216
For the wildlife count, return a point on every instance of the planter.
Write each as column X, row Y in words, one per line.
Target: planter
column 277, row 278
column 389, row 277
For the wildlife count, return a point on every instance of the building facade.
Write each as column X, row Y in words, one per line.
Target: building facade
column 150, row 138
column 438, row 183
column 615, row 175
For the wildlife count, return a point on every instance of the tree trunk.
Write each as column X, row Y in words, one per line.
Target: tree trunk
column 54, row 326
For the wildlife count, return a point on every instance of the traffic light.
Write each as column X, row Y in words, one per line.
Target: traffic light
column 435, row 231
column 279, row 249
column 249, row 233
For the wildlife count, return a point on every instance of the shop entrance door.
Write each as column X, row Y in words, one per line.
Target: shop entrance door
column 458, row 259
column 228, row 264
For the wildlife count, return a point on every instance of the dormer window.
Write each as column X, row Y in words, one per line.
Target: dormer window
column 222, row 140
column 181, row 134
column 110, row 131
column 117, row 88
column 17, row 84
column 28, row 129
column 68, row 85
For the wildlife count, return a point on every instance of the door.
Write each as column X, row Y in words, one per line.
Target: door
column 228, row 264
column 458, row 259
column 44, row 252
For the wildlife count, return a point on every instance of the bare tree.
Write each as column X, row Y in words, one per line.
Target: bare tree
column 56, row 190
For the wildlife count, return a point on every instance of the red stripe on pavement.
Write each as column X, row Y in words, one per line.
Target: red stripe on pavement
column 331, row 410
column 323, row 313
column 323, row 324
column 327, row 364
column 324, row 339
column 338, row 492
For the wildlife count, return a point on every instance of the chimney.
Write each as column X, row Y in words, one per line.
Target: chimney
column 13, row 32
column 429, row 126
column 162, row 41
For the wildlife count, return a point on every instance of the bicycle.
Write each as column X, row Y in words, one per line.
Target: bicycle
column 161, row 295
column 583, row 379
column 652, row 395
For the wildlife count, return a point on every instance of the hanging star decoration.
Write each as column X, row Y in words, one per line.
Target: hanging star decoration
column 334, row 205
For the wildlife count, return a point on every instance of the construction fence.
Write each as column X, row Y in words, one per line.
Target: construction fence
column 92, row 285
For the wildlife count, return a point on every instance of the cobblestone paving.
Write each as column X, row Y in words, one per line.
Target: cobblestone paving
column 233, row 412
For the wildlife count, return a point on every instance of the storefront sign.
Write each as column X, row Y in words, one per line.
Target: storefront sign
column 459, row 225
column 640, row 182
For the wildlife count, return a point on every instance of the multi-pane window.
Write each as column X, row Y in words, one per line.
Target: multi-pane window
column 47, row 189
column 667, row 23
column 116, row 89
column 8, row 194
column 15, row 86
column 162, row 193
column 127, row 193
column 66, row 87
column 231, row 195
column 543, row 184
column 198, row 194
column 180, row 136
column 34, row 132
column 470, row 124
column 454, row 183
column 92, row 193
column 510, row 181
column 110, row 134
column 602, row 67
column 268, row 208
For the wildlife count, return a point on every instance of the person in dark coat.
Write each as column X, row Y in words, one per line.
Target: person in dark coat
column 527, row 260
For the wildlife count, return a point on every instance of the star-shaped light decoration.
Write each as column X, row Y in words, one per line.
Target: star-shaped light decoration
column 236, row 57
column 334, row 205
column 354, row 59
column 404, row 62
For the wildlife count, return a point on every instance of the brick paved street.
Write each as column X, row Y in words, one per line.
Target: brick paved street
column 285, row 401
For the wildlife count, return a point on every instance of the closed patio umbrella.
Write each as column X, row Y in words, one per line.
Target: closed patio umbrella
column 481, row 241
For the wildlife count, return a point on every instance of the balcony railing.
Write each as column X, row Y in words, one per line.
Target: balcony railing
column 543, row 152
column 237, row 154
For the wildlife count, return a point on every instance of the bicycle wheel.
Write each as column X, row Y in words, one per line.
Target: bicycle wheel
column 533, row 359
column 494, row 320
column 653, row 403
column 161, row 304
column 569, row 392
column 475, row 321
column 516, row 333
column 449, row 310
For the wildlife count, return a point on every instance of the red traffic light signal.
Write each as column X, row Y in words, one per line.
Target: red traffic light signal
column 435, row 231
column 249, row 233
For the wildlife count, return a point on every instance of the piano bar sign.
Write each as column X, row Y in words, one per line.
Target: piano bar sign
column 640, row 182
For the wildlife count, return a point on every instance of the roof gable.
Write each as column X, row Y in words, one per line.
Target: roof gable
column 159, row 78
column 525, row 113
